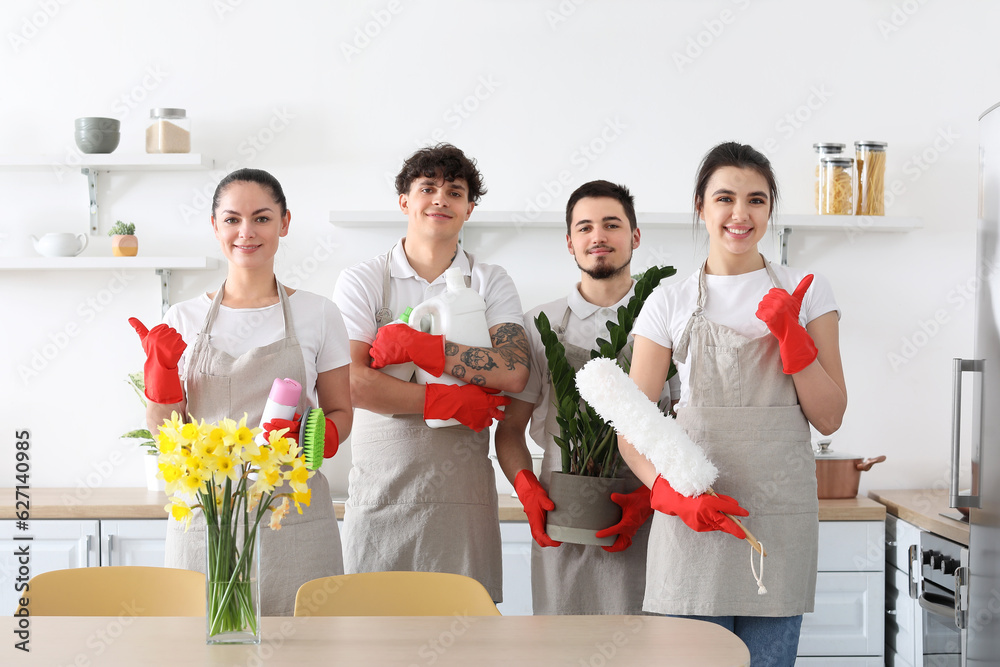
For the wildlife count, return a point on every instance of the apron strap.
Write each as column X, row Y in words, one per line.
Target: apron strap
column 383, row 315
column 771, row 274
column 213, row 310
column 560, row 331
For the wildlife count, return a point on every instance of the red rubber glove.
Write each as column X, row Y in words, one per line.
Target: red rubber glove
column 635, row 512
column 474, row 406
column 330, row 443
column 163, row 347
column 399, row 343
column 701, row 513
column 536, row 504
column 779, row 310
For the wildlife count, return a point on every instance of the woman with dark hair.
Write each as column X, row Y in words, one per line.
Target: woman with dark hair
column 216, row 356
column 757, row 351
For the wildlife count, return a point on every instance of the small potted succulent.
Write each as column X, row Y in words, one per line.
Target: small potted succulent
column 123, row 240
column 143, row 437
column 590, row 458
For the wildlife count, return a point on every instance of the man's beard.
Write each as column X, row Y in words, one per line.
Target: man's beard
column 605, row 270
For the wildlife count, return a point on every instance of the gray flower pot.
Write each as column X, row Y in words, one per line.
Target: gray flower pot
column 583, row 507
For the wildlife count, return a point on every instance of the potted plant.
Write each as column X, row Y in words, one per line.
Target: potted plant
column 590, row 458
column 123, row 240
column 144, row 437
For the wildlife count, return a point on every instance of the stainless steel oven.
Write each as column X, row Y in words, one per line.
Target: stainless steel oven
column 939, row 570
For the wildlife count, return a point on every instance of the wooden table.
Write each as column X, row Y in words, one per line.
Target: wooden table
column 375, row 641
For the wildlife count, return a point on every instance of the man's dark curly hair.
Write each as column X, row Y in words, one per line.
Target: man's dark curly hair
column 441, row 161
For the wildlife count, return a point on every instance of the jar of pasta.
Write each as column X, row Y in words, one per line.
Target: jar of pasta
column 821, row 150
column 870, row 161
column 836, row 182
column 168, row 131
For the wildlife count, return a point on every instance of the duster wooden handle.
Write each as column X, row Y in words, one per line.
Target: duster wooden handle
column 749, row 536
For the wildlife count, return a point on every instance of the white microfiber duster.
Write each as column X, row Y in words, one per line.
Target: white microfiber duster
column 604, row 385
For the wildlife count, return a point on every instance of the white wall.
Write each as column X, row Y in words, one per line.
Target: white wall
column 299, row 90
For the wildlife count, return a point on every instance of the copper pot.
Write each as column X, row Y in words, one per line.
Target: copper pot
column 838, row 475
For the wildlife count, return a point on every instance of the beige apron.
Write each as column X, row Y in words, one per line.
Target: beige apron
column 744, row 413
column 308, row 545
column 578, row 578
column 421, row 499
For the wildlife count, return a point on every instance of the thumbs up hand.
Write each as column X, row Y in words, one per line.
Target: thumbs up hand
column 779, row 310
column 163, row 347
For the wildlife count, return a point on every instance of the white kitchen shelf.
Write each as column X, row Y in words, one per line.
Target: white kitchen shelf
column 43, row 263
column 110, row 161
column 161, row 265
column 557, row 219
column 91, row 164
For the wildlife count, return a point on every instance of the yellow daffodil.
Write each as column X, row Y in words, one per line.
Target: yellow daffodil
column 226, row 466
column 304, row 497
column 299, row 476
column 165, row 443
column 179, row 510
column 278, row 513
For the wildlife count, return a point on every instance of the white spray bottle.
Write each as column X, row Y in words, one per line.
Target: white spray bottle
column 281, row 403
column 459, row 313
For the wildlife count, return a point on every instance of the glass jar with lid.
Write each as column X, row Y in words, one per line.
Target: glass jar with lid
column 836, row 183
column 870, row 170
column 168, row 131
column 823, row 149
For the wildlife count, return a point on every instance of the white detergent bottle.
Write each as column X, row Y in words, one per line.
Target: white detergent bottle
column 459, row 313
column 405, row 370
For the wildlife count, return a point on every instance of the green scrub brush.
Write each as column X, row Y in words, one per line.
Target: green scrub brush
column 313, row 437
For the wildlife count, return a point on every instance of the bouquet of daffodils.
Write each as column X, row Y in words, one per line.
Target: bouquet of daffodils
column 220, row 469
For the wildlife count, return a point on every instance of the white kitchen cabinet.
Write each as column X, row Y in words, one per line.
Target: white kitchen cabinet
column 903, row 641
column 516, row 543
column 847, row 626
column 56, row 544
column 133, row 542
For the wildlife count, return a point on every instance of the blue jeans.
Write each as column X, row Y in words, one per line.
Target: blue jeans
column 772, row 640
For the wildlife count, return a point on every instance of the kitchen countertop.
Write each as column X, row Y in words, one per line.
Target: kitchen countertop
column 138, row 503
column 923, row 508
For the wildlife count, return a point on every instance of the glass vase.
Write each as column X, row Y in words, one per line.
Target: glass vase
column 232, row 580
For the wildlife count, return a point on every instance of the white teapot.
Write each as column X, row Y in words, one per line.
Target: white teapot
column 63, row 244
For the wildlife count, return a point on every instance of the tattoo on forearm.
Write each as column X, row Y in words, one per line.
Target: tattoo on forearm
column 510, row 348
column 512, row 344
column 479, row 358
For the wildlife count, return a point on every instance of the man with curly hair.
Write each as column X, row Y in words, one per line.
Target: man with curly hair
column 421, row 498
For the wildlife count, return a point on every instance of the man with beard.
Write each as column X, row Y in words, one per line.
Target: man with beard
column 601, row 233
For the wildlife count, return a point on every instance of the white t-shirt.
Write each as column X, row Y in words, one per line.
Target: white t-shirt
column 319, row 329
column 358, row 292
column 732, row 302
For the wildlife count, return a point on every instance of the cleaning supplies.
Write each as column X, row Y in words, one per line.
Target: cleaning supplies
column 401, row 371
column 313, row 432
column 281, row 403
column 459, row 313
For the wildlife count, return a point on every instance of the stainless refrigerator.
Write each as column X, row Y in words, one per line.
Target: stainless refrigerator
column 979, row 584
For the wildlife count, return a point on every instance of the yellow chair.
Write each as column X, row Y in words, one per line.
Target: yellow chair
column 394, row 594
column 117, row 591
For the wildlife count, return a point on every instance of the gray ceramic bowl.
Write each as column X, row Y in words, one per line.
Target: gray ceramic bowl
column 98, row 123
column 97, row 141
